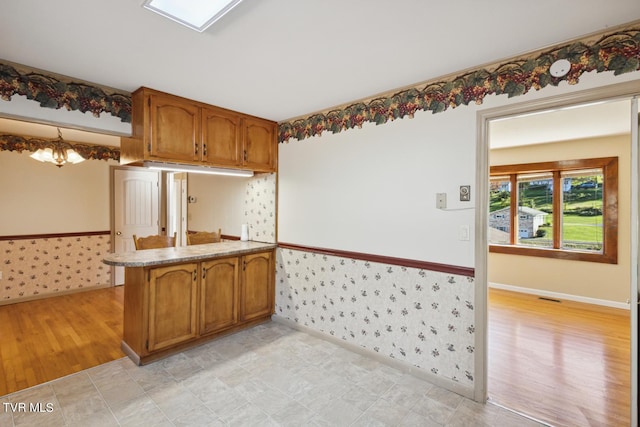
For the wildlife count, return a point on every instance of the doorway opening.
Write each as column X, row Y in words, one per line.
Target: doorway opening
column 524, row 126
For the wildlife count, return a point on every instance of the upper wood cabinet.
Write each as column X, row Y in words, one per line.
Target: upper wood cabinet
column 259, row 144
column 174, row 132
column 174, row 129
column 220, row 137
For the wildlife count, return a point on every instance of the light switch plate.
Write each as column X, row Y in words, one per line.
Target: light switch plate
column 465, row 193
column 441, row 200
column 463, row 232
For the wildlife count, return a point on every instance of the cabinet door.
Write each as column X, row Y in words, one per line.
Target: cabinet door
column 257, row 294
column 220, row 137
column 175, row 129
column 260, row 146
column 218, row 295
column 172, row 305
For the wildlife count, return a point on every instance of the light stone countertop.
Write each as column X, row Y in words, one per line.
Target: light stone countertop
column 182, row 254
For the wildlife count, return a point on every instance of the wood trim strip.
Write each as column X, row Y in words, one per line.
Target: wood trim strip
column 403, row 262
column 54, row 235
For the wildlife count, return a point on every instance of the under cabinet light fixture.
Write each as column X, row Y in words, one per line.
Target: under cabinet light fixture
column 174, row 167
column 195, row 14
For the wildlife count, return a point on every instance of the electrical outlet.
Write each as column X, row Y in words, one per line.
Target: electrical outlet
column 465, row 193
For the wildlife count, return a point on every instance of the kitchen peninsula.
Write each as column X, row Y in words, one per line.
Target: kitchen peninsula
column 179, row 297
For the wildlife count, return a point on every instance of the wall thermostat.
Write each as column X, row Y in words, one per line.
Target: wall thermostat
column 465, row 193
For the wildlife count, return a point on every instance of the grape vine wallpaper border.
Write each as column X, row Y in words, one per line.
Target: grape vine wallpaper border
column 20, row 143
column 56, row 91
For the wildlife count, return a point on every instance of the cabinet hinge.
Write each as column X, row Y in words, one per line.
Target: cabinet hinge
column 147, row 344
column 149, row 147
column 148, row 275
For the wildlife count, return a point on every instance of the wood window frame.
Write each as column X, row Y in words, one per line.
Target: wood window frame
column 609, row 166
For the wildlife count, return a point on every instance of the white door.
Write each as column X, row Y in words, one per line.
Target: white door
column 135, row 209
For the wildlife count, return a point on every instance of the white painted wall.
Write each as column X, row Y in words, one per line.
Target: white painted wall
column 219, row 203
column 374, row 189
column 39, row 198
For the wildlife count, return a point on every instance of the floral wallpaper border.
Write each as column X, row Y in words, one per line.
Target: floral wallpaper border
column 617, row 51
column 56, row 91
column 21, row 143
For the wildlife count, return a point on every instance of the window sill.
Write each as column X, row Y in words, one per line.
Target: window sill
column 604, row 258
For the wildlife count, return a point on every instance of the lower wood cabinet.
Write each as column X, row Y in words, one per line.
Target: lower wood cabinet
column 172, row 305
column 168, row 308
column 256, row 299
column 219, row 295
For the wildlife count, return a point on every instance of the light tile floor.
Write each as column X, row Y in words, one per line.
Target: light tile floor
column 270, row 375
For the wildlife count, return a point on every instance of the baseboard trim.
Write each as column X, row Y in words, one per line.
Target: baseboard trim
column 52, row 294
column 561, row 296
column 394, row 363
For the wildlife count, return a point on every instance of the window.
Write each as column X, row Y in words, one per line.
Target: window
column 565, row 209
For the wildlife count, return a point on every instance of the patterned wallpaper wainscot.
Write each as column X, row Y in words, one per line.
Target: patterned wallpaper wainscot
column 36, row 267
column 260, row 207
column 420, row 317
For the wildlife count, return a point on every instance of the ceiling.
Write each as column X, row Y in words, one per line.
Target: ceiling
column 280, row 59
column 562, row 124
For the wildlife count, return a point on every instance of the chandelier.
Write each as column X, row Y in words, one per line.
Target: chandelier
column 58, row 152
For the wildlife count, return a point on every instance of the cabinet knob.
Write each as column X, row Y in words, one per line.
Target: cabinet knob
column 118, row 233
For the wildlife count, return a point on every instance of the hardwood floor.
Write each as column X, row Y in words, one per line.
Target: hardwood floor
column 46, row 339
column 564, row 363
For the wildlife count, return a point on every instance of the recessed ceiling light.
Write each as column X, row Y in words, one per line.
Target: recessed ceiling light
column 195, row 14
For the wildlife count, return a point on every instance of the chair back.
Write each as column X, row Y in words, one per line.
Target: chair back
column 154, row 242
column 202, row 237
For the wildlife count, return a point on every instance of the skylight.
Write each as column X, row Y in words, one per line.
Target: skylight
column 195, row 14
